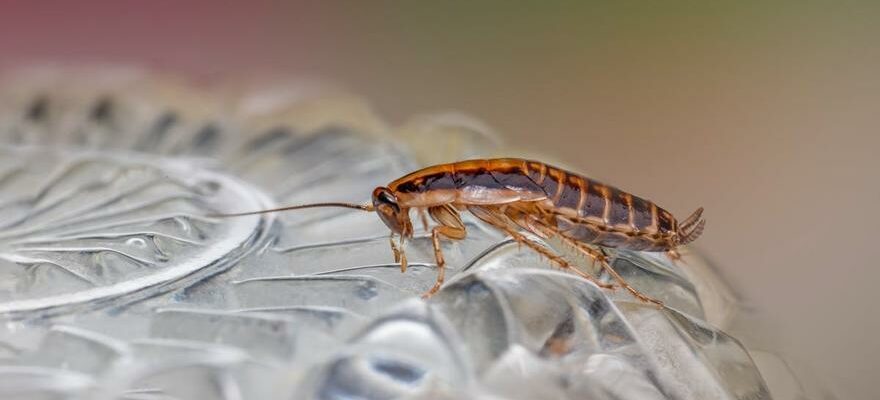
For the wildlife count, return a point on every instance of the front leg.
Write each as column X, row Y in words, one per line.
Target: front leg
column 399, row 254
column 450, row 227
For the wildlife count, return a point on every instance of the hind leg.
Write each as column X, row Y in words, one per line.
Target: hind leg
column 500, row 221
column 527, row 219
column 600, row 257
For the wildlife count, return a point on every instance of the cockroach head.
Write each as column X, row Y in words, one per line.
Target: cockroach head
column 396, row 218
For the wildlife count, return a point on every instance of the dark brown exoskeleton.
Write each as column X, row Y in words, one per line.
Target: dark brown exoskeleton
column 511, row 195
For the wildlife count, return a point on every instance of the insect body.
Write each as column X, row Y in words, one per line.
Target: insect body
column 512, row 195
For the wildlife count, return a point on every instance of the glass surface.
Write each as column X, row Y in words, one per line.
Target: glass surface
column 118, row 283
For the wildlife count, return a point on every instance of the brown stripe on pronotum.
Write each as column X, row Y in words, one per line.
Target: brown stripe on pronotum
column 512, row 195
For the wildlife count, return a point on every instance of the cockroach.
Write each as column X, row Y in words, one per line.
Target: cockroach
column 515, row 195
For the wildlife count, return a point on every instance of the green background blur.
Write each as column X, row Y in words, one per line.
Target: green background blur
column 764, row 113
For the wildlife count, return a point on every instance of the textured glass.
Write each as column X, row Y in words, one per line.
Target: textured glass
column 118, row 283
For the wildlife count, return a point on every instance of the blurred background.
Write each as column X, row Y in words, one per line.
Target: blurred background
column 765, row 114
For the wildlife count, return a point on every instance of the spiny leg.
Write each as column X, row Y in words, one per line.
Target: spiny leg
column 499, row 221
column 600, row 257
column 532, row 222
column 550, row 233
column 450, row 227
column 528, row 217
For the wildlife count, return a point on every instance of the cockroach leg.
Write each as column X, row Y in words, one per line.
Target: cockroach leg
column 585, row 275
column 499, row 221
column 399, row 254
column 450, row 226
column 600, row 257
column 522, row 216
column 394, row 249
column 548, row 233
column 451, row 232
column 441, row 264
column 403, row 262
column 596, row 256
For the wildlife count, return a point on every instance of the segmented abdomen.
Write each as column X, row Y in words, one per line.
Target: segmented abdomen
column 593, row 212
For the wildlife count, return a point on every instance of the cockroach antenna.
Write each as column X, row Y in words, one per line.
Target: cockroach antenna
column 362, row 207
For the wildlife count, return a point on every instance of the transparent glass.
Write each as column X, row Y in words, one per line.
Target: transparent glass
column 118, row 283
